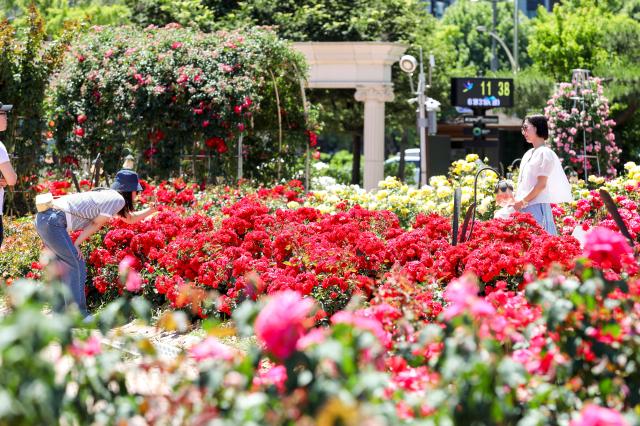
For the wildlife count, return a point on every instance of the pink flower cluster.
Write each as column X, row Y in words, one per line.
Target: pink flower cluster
column 572, row 123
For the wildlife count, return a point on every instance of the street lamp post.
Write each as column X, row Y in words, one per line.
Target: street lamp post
column 495, row 37
column 494, row 54
column 409, row 64
column 516, row 17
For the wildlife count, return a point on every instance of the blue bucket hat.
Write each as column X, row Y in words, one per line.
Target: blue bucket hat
column 126, row 181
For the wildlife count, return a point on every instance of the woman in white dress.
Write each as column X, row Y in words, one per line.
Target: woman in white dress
column 542, row 180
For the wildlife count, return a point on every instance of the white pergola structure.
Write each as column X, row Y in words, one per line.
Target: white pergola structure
column 366, row 67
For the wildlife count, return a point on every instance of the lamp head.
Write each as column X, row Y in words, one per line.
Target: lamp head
column 481, row 28
column 408, row 64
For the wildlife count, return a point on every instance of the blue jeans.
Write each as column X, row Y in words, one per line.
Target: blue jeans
column 543, row 215
column 52, row 228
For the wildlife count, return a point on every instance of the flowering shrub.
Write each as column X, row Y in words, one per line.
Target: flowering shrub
column 330, row 256
column 591, row 324
column 20, row 250
column 252, row 250
column 563, row 351
column 536, row 354
column 588, row 211
column 568, row 118
column 175, row 91
column 408, row 202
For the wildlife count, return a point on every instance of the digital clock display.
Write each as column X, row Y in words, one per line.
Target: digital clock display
column 482, row 92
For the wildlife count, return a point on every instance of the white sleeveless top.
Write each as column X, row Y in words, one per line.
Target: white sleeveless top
column 542, row 161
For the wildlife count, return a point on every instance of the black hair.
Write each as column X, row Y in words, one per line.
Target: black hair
column 503, row 186
column 539, row 122
column 128, row 203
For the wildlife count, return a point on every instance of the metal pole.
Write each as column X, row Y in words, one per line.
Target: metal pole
column 307, row 161
column 584, row 145
column 240, row 156
column 422, row 124
column 494, row 57
column 515, row 31
column 512, row 61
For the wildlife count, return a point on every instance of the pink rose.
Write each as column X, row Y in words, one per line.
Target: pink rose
column 134, row 281
column 281, row 323
column 274, row 376
column 593, row 415
column 125, row 264
column 606, row 247
column 82, row 349
column 225, row 68
column 361, row 320
column 462, row 296
column 314, row 337
column 131, row 277
column 211, row 348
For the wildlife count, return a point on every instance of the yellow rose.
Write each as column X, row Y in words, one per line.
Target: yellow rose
column 444, row 191
column 484, row 205
column 381, row 195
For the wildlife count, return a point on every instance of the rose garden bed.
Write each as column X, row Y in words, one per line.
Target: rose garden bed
column 358, row 315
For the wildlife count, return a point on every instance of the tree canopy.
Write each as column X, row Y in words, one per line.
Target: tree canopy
column 459, row 27
column 56, row 12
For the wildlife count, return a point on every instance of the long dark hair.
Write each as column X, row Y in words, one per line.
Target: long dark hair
column 128, row 203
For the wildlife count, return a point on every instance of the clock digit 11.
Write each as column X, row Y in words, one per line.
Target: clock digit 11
column 486, row 88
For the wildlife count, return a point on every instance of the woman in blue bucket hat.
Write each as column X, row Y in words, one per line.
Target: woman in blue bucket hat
column 88, row 211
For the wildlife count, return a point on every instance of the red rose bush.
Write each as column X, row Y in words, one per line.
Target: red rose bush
column 250, row 247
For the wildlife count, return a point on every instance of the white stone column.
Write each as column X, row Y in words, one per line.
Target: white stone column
column 374, row 97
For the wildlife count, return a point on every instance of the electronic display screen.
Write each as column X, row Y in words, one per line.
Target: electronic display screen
column 482, row 92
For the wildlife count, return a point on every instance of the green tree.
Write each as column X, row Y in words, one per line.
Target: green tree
column 339, row 20
column 585, row 36
column 191, row 13
column 335, row 20
column 459, row 29
column 56, row 12
column 533, row 90
column 600, row 36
